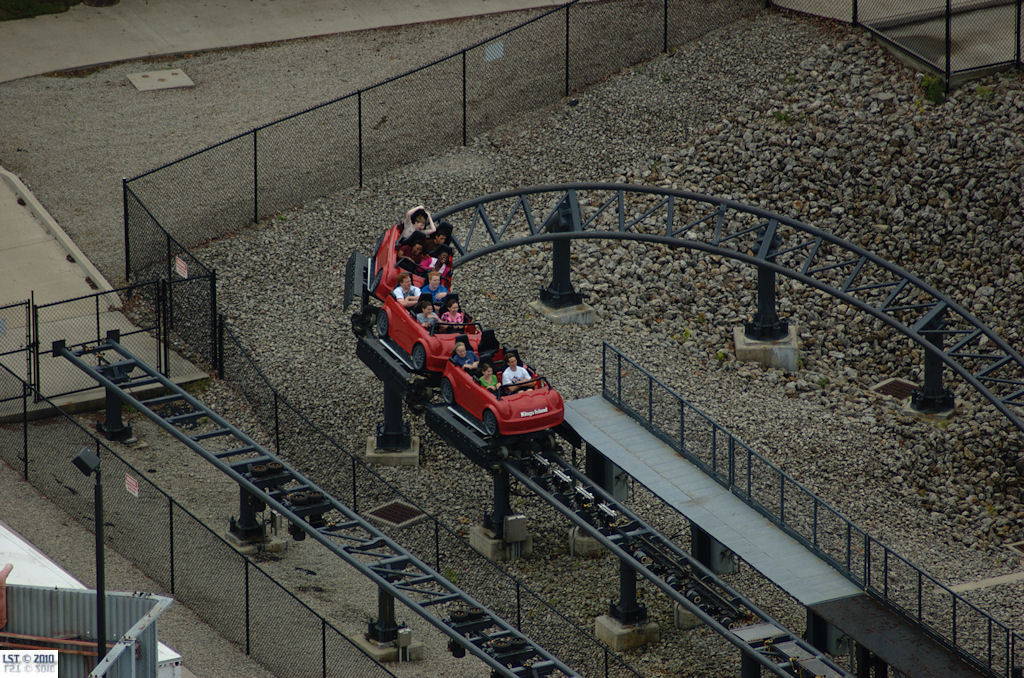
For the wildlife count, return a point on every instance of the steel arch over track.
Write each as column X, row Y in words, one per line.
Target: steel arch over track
column 724, row 227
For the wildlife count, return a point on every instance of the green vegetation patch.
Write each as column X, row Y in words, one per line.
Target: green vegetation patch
column 23, row 9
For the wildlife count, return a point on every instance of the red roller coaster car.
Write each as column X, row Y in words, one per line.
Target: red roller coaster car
column 427, row 349
column 384, row 267
column 528, row 410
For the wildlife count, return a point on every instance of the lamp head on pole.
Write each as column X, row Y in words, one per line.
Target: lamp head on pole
column 86, row 461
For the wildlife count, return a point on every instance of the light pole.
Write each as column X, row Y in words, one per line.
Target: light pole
column 88, row 462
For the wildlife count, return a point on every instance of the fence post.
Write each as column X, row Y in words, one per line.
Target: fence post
column 1016, row 42
column 247, row 639
column 354, row 505
column 124, row 219
column 162, row 363
column 567, row 49
column 163, row 332
column 650, row 400
column 24, row 430
column 323, row 646
column 277, row 426
column 856, row 14
column 213, row 319
column 34, row 349
column 255, row 178
column 618, row 391
column 519, row 608
column 782, row 495
column 359, row 129
column 664, row 28
column 949, row 18
column 220, row 346
column 170, row 531
column 682, row 430
column 463, row 97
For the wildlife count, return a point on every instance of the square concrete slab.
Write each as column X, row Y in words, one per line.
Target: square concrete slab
column 151, row 80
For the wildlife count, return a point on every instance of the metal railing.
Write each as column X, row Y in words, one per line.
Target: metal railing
column 955, row 622
column 151, row 317
column 344, row 141
column 172, row 546
column 953, row 38
column 356, row 483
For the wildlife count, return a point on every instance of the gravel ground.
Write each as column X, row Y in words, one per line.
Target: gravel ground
column 799, row 116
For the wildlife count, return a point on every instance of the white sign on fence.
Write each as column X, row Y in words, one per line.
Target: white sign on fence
column 131, row 484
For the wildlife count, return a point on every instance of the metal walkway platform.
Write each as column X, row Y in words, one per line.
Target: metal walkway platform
column 766, row 548
column 712, row 507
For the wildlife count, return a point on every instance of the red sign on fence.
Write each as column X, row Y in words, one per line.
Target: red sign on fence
column 131, row 484
column 180, row 267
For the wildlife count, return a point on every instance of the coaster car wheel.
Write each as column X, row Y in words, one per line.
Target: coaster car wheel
column 447, row 391
column 419, row 357
column 490, row 423
column 382, row 324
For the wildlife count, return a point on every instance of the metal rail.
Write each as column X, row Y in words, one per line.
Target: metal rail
column 267, row 479
column 717, row 226
column 675, row 572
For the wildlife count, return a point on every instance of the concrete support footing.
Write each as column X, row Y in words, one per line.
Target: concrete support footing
column 268, row 544
column 582, row 545
column 941, row 415
column 619, row 636
column 684, row 619
column 381, row 457
column 485, row 541
column 390, row 652
column 783, row 353
column 580, row 314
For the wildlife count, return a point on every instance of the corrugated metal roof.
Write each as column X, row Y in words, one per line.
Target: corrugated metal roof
column 71, row 614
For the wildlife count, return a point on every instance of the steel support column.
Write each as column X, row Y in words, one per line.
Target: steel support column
column 627, row 610
column 246, row 527
column 393, row 433
column 766, row 325
column 113, row 426
column 384, row 629
column 495, row 521
column 932, row 397
column 560, row 293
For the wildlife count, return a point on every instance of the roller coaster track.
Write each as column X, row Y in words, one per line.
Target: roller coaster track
column 653, row 556
column 265, row 479
column 723, row 227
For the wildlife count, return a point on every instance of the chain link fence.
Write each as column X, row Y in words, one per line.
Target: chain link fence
column 356, row 484
column 954, row 621
column 151, row 317
column 174, row 548
column 953, row 38
column 425, row 111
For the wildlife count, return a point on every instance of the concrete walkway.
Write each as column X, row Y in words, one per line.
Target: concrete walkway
column 87, row 36
column 39, row 261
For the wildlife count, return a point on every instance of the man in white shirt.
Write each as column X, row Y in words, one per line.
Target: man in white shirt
column 514, row 373
column 408, row 295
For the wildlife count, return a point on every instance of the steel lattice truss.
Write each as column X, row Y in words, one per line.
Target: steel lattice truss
column 359, row 543
column 649, row 553
column 671, row 569
column 744, row 233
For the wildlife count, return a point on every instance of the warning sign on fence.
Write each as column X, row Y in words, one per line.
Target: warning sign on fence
column 180, row 267
column 131, row 484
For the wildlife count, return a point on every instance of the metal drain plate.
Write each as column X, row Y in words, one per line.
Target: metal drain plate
column 397, row 513
column 897, row 388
